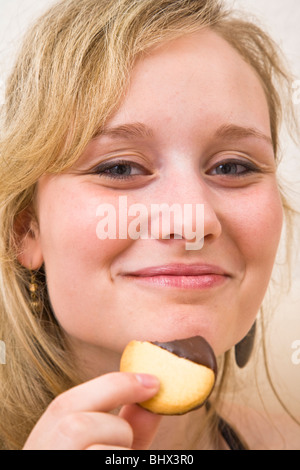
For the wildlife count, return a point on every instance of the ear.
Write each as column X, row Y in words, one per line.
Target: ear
column 28, row 240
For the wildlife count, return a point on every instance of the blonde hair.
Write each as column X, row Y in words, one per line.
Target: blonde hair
column 69, row 77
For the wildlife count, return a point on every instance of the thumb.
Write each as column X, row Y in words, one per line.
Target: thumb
column 143, row 423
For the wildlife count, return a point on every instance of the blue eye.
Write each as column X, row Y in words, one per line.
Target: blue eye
column 234, row 168
column 119, row 169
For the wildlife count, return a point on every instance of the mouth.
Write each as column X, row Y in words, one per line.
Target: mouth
column 180, row 276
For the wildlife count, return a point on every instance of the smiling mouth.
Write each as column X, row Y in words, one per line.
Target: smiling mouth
column 180, row 276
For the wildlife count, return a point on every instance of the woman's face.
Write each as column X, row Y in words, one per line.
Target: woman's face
column 192, row 129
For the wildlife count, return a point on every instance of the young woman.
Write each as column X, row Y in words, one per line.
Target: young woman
column 160, row 102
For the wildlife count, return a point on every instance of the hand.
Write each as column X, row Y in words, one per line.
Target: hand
column 79, row 418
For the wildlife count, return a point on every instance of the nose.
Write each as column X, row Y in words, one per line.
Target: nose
column 186, row 210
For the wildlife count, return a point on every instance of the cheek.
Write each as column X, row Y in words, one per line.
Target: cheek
column 259, row 225
column 69, row 221
column 77, row 263
column 254, row 230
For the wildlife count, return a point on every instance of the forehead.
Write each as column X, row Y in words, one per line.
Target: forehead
column 199, row 77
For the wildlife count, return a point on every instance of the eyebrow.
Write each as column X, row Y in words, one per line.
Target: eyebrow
column 232, row 131
column 128, row 131
column 141, row 130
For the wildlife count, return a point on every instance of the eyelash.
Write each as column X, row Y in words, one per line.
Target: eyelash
column 248, row 167
column 104, row 168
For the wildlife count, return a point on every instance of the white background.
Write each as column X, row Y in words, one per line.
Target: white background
column 282, row 20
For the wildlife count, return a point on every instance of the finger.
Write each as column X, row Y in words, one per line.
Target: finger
column 82, row 429
column 144, row 425
column 106, row 393
column 102, row 394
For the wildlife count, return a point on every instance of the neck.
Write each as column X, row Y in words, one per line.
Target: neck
column 91, row 360
column 184, row 433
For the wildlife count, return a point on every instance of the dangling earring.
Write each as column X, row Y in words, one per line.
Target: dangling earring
column 244, row 348
column 33, row 289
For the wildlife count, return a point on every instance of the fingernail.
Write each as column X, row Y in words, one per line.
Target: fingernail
column 148, row 381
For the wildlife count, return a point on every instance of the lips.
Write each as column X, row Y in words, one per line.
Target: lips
column 195, row 276
column 179, row 270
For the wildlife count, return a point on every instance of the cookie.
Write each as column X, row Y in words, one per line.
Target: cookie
column 186, row 369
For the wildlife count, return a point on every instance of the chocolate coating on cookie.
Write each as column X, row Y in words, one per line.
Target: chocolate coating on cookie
column 195, row 349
